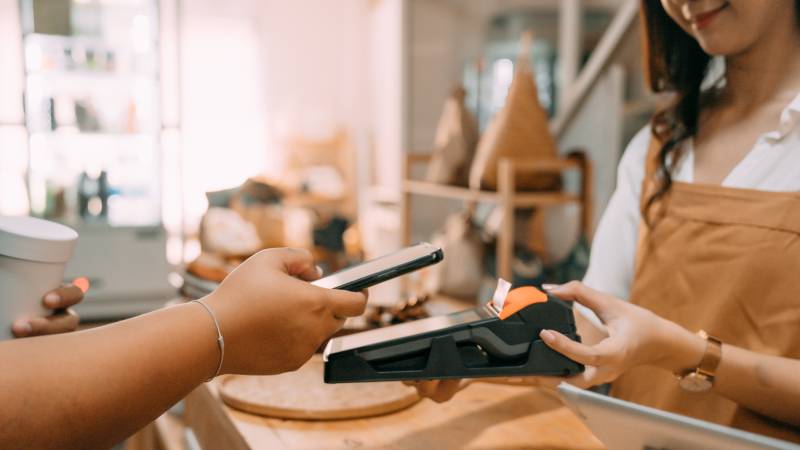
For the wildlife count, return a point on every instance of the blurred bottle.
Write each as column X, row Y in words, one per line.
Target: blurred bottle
column 93, row 193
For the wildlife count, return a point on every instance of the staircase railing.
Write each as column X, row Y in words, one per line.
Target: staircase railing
column 601, row 58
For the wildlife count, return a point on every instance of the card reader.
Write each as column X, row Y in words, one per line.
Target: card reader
column 468, row 344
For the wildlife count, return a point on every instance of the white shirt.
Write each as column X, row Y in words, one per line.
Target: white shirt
column 773, row 164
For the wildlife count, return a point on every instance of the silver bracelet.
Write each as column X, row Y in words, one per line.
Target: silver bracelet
column 220, row 340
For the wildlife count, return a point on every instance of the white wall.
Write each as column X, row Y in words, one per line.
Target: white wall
column 255, row 71
column 12, row 73
column 13, row 138
column 223, row 111
column 387, row 104
column 387, row 108
column 598, row 129
column 313, row 54
column 436, row 42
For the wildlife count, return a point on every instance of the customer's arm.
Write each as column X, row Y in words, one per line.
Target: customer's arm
column 91, row 389
column 764, row 383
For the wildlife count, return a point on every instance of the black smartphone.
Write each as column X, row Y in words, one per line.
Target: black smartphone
column 378, row 270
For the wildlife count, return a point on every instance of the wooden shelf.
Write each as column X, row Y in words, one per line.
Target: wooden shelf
column 506, row 197
column 444, row 191
column 521, row 199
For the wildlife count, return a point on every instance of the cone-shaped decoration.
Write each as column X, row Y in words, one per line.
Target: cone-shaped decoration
column 456, row 139
column 519, row 130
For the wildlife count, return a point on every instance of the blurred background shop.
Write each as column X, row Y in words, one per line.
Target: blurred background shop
column 175, row 130
column 178, row 137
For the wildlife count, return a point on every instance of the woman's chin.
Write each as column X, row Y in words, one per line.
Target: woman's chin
column 720, row 45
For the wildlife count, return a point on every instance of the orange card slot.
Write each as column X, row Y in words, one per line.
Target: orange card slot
column 519, row 298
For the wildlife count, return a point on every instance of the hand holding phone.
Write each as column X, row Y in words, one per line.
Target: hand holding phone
column 384, row 268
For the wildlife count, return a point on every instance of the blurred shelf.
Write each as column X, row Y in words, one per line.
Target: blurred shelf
column 507, row 198
column 84, row 57
column 91, row 41
column 312, row 200
column 74, row 133
column 123, row 78
column 521, row 199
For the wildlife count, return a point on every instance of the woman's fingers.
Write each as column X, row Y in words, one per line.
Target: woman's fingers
column 573, row 350
column 585, row 379
column 38, row 326
column 63, row 297
column 594, row 376
column 579, row 292
column 548, row 382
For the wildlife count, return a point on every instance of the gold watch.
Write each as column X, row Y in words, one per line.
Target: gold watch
column 701, row 379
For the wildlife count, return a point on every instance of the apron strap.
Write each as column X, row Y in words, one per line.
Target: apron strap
column 735, row 206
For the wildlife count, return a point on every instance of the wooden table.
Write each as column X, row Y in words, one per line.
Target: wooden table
column 483, row 416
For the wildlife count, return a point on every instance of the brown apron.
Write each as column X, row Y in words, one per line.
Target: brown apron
column 726, row 261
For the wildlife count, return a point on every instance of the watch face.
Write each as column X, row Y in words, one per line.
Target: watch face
column 695, row 383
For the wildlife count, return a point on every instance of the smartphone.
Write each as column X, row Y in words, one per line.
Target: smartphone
column 370, row 273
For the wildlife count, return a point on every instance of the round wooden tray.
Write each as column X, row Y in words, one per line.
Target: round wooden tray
column 304, row 395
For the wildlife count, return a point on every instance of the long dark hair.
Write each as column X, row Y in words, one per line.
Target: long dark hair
column 673, row 62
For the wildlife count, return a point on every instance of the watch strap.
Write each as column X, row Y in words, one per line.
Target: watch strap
column 711, row 357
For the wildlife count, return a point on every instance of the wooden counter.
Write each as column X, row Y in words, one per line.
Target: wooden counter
column 483, row 416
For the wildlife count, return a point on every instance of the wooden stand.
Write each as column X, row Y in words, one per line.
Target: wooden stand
column 506, row 197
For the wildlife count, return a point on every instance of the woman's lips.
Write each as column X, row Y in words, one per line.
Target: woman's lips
column 704, row 19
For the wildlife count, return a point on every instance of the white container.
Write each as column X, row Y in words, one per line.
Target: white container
column 33, row 253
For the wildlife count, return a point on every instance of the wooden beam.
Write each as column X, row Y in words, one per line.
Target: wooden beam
column 570, row 37
column 600, row 59
column 505, row 238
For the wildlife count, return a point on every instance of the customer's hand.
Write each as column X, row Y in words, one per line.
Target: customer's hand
column 63, row 319
column 272, row 319
column 636, row 337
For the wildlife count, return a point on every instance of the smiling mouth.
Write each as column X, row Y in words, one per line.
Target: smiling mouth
column 704, row 19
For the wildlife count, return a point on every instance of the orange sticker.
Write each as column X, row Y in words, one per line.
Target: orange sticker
column 519, row 298
column 82, row 283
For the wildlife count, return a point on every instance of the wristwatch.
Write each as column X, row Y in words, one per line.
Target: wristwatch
column 701, row 379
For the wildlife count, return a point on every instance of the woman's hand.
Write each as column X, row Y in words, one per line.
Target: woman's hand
column 633, row 336
column 636, row 337
column 272, row 319
column 63, row 319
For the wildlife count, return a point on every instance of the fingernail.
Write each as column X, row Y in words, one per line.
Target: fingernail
column 547, row 336
column 52, row 299
column 22, row 327
column 550, row 287
column 319, row 271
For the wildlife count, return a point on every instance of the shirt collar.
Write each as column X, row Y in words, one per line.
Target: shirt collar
column 788, row 121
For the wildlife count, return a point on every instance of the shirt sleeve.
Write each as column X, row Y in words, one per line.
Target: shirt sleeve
column 614, row 246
